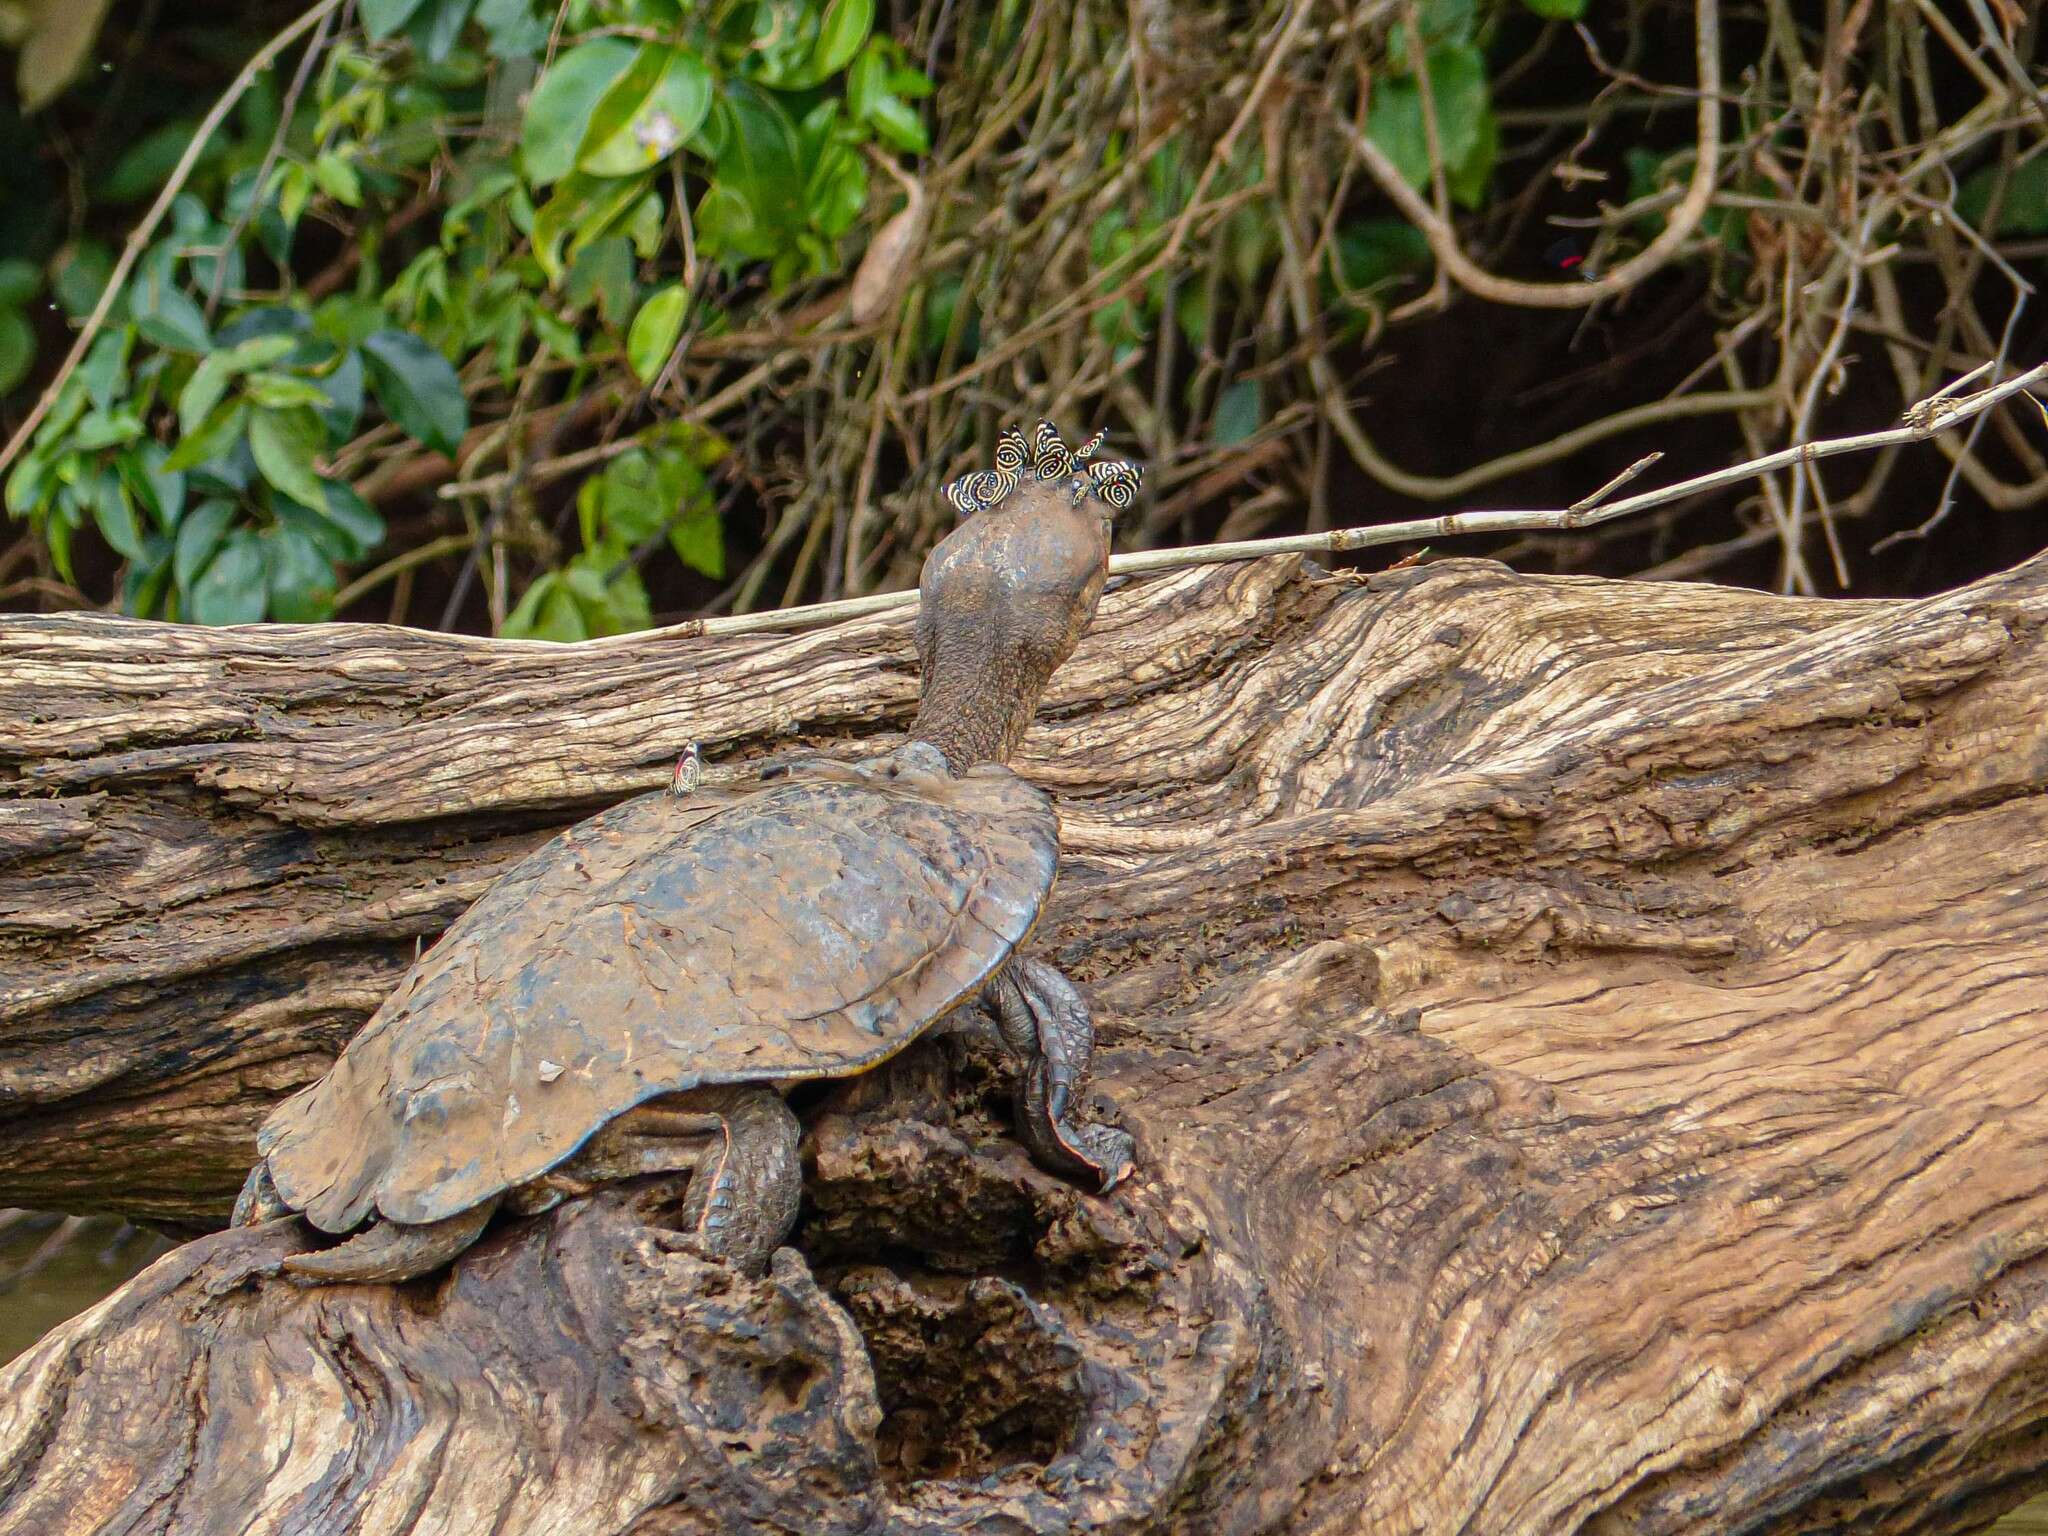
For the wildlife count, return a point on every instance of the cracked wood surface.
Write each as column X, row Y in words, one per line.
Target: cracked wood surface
column 1583, row 1041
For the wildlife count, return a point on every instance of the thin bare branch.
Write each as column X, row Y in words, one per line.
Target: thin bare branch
column 1925, row 420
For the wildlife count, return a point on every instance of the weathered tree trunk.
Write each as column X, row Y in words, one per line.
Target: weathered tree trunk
column 1585, row 1043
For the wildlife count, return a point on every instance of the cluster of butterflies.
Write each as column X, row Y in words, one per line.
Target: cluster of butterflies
column 1050, row 459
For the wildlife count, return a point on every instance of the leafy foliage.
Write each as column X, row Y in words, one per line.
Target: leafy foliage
column 207, row 438
column 511, row 233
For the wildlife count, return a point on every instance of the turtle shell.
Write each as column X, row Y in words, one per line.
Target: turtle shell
column 810, row 927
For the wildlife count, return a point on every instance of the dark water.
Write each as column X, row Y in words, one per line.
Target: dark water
column 53, row 1267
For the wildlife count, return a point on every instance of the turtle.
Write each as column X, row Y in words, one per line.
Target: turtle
column 637, row 996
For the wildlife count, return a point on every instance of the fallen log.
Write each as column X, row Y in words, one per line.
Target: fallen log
column 1583, row 1041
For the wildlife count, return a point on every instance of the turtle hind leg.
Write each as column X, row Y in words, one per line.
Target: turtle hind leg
column 259, row 1200
column 1045, row 1023
column 391, row 1251
column 747, row 1182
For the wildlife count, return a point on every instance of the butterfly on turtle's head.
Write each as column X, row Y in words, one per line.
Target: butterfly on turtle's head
column 1115, row 483
column 1112, row 482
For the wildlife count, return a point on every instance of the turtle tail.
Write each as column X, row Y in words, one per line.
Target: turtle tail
column 392, row 1251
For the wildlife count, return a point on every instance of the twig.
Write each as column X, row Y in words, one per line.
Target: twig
column 139, row 238
column 1469, row 275
column 270, row 155
column 1923, row 425
column 419, row 554
column 1586, row 503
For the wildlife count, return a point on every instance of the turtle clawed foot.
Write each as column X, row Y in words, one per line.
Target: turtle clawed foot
column 1108, row 1152
column 718, row 1247
column 1091, row 1154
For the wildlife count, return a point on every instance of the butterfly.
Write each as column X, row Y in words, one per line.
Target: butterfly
column 1116, row 483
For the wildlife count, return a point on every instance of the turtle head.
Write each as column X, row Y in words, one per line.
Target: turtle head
column 1005, row 597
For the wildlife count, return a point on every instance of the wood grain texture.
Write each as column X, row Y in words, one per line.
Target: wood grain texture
column 1584, row 1043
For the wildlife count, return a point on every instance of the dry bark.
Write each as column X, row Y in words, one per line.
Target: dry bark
column 1583, row 1042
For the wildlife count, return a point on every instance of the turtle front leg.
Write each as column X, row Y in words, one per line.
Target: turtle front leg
column 745, row 1187
column 1045, row 1023
column 737, row 1144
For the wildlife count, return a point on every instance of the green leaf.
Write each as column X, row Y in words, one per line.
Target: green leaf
column 2024, row 210
column 845, row 27
column 381, row 18
column 17, row 348
column 556, row 335
column 633, row 503
column 19, row 282
column 57, row 534
column 298, row 577
column 1239, row 410
column 603, row 270
column 82, row 270
column 698, row 538
column 583, row 210
column 147, row 164
column 645, row 224
column 1371, row 251
column 434, row 28
column 559, row 110
column 199, row 535
column 756, row 207
column 1440, row 21
column 221, row 432
column 204, row 390
column 264, row 336
column 910, row 82
column 1558, row 10
column 1468, row 179
column 869, row 80
column 294, row 191
column 359, row 523
column 661, row 100
column 103, row 429
column 147, row 578
column 167, row 315
column 114, row 514
column 283, row 391
column 161, row 493
column 418, row 388
column 546, row 611
column 515, row 31
column 231, row 590
column 896, row 120
column 335, row 176
column 612, row 597
column 838, row 190
column 1457, row 82
column 28, row 484
column 105, row 368
column 654, row 332
column 285, row 444
column 343, row 388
